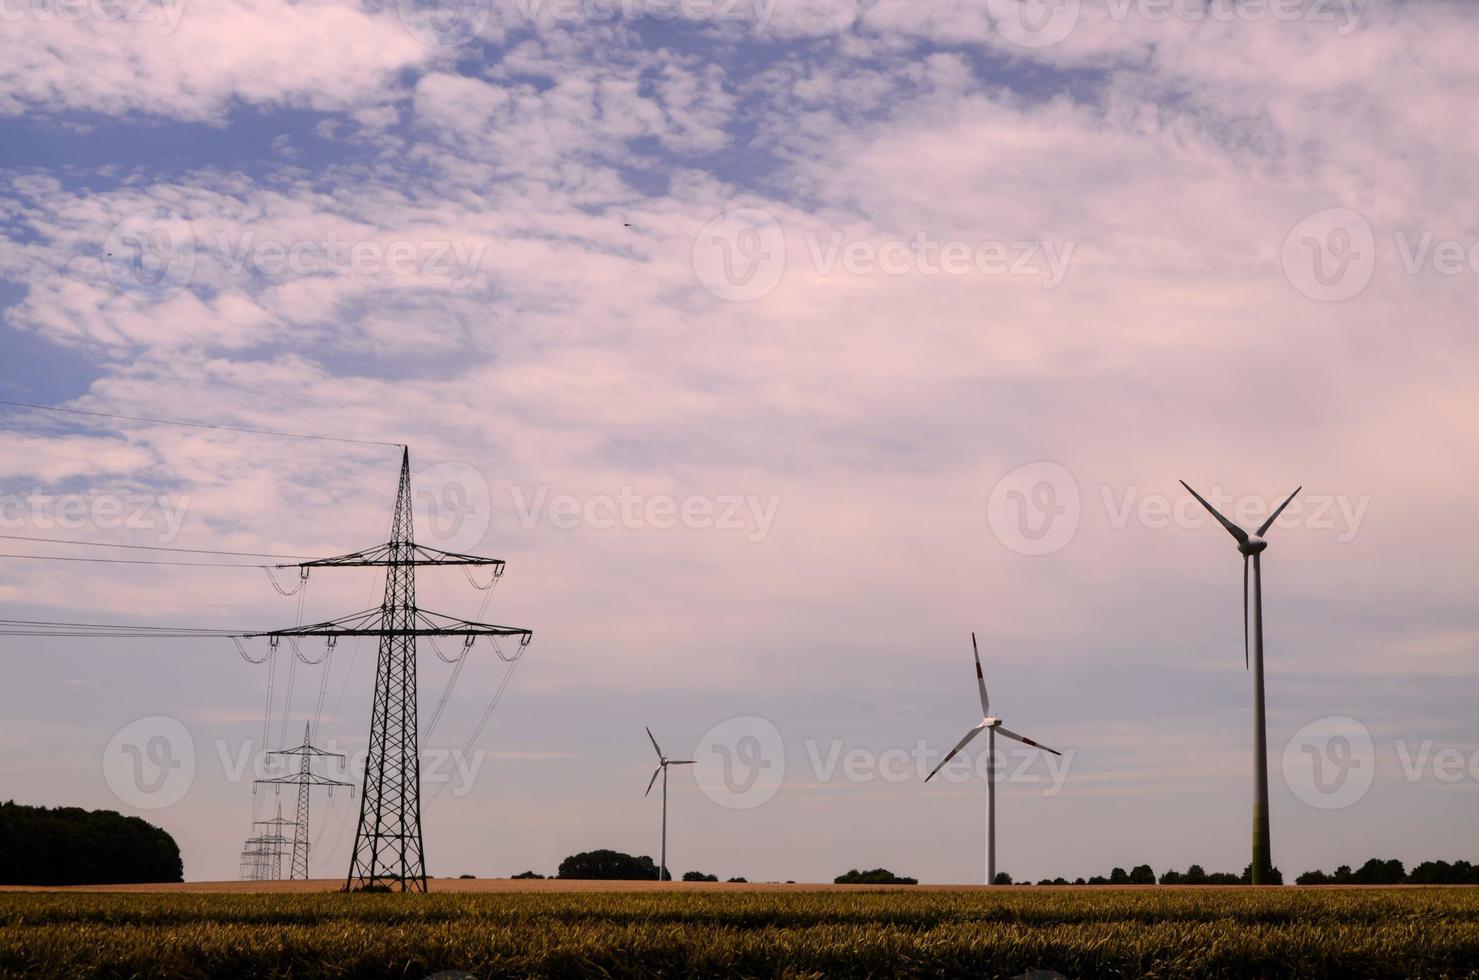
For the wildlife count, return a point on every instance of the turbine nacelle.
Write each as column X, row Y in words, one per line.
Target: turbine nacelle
column 1255, row 545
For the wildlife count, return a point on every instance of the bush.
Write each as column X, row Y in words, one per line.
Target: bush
column 604, row 865
column 878, row 876
column 1002, row 878
column 698, row 876
column 68, row 845
column 528, row 876
column 739, row 881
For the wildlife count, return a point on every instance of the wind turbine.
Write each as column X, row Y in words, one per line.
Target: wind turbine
column 990, row 726
column 1252, row 546
column 662, row 767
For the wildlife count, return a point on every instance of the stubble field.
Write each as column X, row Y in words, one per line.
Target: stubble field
column 568, row 929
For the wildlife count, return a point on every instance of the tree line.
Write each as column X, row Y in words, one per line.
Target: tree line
column 68, row 845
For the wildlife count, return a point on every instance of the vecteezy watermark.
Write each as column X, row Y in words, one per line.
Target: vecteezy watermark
column 1040, row 23
column 741, row 764
column 757, row 13
column 453, row 505
column 634, row 511
column 150, row 253
column 455, row 261
column 1037, row 509
column 742, row 255
column 1332, row 255
column 165, row 14
column 161, row 514
column 1331, row 763
column 149, row 764
column 1015, row 764
column 444, row 23
column 153, row 254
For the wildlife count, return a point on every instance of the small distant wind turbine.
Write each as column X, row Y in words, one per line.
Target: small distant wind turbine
column 662, row 768
column 991, row 726
column 1252, row 546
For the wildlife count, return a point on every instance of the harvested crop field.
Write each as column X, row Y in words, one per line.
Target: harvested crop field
column 726, row 932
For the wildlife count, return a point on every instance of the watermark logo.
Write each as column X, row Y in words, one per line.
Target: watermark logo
column 165, row 13
column 1330, row 256
column 1330, row 763
column 150, row 763
column 634, row 511
column 1035, row 509
column 741, row 255
column 1034, row 23
column 150, row 254
column 741, row 763
column 455, row 261
column 453, row 505
column 445, row 23
column 755, row 12
column 164, row 516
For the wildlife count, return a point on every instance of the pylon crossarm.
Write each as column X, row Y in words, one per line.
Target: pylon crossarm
column 372, row 622
column 311, row 778
column 308, row 750
column 398, row 554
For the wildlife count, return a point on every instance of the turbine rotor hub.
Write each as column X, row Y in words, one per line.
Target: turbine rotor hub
column 1253, row 546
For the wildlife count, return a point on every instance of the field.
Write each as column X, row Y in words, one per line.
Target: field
column 717, row 931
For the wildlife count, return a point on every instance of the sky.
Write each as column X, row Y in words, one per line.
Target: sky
column 777, row 346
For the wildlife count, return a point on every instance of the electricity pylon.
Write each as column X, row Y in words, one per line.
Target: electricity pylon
column 304, row 779
column 261, row 857
column 388, row 849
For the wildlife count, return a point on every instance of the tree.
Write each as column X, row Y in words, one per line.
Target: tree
column 1119, row 877
column 528, row 876
column 1141, row 874
column 1002, row 878
column 68, row 845
column 878, row 876
column 606, row 865
column 698, row 876
column 739, row 881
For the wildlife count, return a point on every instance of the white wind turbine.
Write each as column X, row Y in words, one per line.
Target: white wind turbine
column 1252, row 547
column 662, row 767
column 991, row 726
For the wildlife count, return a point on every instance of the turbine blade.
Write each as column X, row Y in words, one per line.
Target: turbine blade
column 981, row 679
column 1263, row 529
column 1232, row 528
column 1247, row 664
column 958, row 746
column 682, row 762
column 1024, row 740
column 655, row 773
column 654, row 742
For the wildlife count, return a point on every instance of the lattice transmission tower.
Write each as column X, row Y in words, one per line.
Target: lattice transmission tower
column 388, row 850
column 261, row 856
column 305, row 779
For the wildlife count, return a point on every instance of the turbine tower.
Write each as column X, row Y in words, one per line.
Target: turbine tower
column 662, row 767
column 1252, row 547
column 304, row 778
column 990, row 725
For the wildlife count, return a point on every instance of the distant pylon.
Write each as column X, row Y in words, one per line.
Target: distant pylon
column 304, row 778
column 388, row 851
column 262, row 854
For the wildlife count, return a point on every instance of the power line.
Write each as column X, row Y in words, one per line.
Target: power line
column 138, row 561
column 151, row 547
column 199, row 425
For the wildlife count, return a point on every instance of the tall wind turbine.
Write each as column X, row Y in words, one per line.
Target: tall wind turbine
column 1252, row 547
column 990, row 726
column 662, row 767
